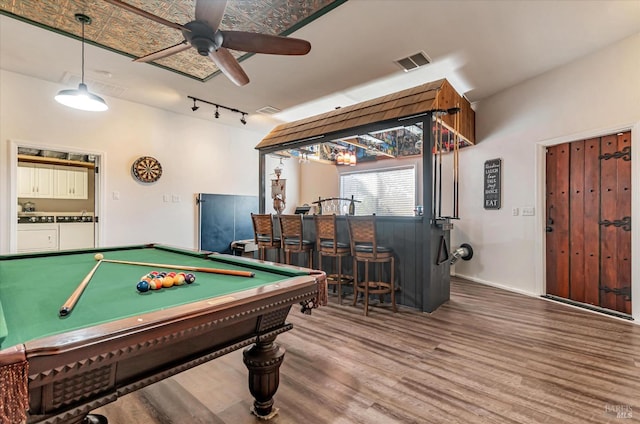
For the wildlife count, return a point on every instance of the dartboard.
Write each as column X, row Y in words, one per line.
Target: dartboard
column 146, row 169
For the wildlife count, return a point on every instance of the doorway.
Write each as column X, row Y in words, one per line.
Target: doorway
column 588, row 222
column 69, row 204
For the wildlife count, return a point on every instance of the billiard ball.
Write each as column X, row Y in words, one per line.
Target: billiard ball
column 98, row 256
column 158, row 283
column 178, row 280
column 189, row 278
column 142, row 286
column 167, row 282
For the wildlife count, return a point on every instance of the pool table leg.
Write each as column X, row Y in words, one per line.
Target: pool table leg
column 263, row 360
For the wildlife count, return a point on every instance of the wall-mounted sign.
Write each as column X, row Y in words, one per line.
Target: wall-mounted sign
column 492, row 195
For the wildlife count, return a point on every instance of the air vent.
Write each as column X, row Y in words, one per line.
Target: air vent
column 268, row 110
column 414, row 61
column 95, row 86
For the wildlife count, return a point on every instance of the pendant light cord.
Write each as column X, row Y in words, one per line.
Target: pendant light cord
column 83, row 51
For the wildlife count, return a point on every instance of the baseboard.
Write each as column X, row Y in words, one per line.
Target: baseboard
column 492, row 284
column 567, row 302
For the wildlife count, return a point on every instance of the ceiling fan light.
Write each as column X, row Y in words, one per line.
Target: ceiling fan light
column 82, row 99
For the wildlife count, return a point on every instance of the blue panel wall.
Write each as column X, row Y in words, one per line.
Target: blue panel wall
column 225, row 218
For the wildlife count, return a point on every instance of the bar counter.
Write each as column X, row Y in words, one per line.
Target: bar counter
column 421, row 281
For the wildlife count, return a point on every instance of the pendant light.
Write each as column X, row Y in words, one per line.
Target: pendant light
column 81, row 98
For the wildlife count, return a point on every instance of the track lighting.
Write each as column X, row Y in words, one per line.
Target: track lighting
column 81, row 98
column 243, row 118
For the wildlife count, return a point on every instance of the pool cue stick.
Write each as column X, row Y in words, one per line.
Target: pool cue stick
column 73, row 299
column 186, row 268
column 455, row 165
column 435, row 162
column 440, row 169
column 457, row 157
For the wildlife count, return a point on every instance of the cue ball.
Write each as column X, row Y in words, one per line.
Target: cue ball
column 142, row 286
column 99, row 256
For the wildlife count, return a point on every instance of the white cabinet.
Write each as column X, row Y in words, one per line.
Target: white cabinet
column 37, row 237
column 52, row 181
column 76, row 235
column 70, row 182
column 35, row 180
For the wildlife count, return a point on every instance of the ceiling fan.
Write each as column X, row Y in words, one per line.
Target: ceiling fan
column 203, row 35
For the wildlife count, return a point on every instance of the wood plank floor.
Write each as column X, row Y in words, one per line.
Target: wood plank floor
column 487, row 356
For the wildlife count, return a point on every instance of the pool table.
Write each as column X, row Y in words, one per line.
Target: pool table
column 116, row 339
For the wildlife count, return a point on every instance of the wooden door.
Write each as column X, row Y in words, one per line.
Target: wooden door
column 588, row 221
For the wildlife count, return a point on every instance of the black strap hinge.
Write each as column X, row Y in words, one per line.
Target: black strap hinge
column 624, row 154
column 622, row 291
column 624, row 223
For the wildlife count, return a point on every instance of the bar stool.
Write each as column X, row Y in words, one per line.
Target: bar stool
column 364, row 248
column 292, row 237
column 263, row 234
column 328, row 245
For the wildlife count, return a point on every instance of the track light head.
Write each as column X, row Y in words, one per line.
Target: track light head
column 194, row 107
column 243, row 120
column 217, row 114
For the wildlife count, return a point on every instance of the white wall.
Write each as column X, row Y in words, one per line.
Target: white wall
column 595, row 95
column 196, row 156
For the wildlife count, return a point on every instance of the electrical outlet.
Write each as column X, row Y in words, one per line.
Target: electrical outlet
column 515, row 211
column 165, row 197
column 528, row 211
column 115, row 195
column 175, row 198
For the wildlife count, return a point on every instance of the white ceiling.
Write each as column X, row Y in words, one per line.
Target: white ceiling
column 480, row 46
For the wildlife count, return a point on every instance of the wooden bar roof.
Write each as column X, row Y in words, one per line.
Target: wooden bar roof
column 435, row 95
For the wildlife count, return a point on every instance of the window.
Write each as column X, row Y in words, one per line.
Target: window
column 385, row 192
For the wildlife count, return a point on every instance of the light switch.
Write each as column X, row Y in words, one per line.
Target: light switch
column 528, row 211
column 515, row 211
column 165, row 197
column 115, row 195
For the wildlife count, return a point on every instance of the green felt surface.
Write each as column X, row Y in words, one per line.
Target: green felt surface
column 32, row 290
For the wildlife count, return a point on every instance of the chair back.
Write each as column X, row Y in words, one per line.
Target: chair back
column 362, row 233
column 326, row 231
column 291, row 231
column 263, row 228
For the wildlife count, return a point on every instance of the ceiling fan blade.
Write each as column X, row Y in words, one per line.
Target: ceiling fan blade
column 211, row 12
column 264, row 43
column 146, row 14
column 164, row 52
column 229, row 66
